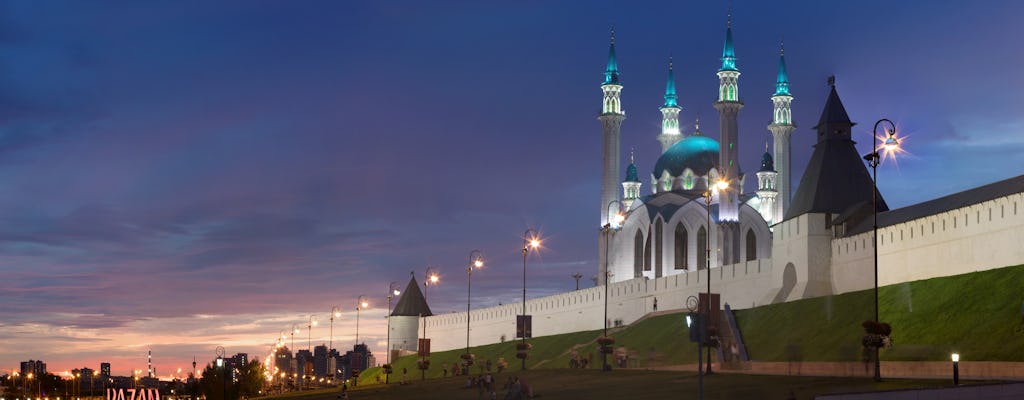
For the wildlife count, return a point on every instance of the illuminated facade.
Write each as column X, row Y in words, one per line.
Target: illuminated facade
column 668, row 232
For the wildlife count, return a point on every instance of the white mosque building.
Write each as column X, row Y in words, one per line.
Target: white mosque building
column 773, row 245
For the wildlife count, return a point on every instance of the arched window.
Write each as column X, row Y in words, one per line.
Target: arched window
column 659, row 242
column 751, row 245
column 647, row 254
column 638, row 253
column 702, row 246
column 682, row 252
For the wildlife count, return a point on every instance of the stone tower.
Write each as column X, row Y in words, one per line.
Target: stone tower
column 781, row 128
column 406, row 317
column 611, row 123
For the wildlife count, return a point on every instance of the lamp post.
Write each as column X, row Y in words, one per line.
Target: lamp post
column 392, row 291
column 224, row 372
column 890, row 144
column 530, row 241
column 612, row 226
column 335, row 313
column 476, row 260
column 577, row 276
column 361, row 304
column 430, row 278
column 956, row 368
column 721, row 185
column 309, row 333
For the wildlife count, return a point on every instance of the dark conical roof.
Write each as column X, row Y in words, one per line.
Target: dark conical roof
column 412, row 303
column 836, row 177
column 833, row 116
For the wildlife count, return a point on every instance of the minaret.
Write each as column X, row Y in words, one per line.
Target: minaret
column 782, row 127
column 611, row 122
column 630, row 186
column 670, row 113
column 728, row 106
column 766, row 188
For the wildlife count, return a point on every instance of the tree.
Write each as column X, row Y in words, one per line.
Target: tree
column 249, row 381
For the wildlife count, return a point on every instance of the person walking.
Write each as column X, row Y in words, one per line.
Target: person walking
column 655, row 304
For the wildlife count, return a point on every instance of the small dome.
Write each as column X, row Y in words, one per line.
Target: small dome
column 631, row 174
column 698, row 153
column 767, row 164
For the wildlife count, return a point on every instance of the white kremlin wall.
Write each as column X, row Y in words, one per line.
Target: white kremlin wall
column 977, row 237
column 584, row 309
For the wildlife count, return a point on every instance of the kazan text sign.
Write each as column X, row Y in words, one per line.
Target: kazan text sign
column 133, row 394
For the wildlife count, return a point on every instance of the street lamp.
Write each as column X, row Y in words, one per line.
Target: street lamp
column 608, row 229
column 392, row 292
column 361, row 304
column 890, row 145
column 713, row 189
column 335, row 313
column 309, row 333
column 956, row 368
column 530, row 241
column 431, row 278
column 476, row 260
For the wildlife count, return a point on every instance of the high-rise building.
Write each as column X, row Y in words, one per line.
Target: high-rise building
column 105, row 370
column 320, row 364
column 283, row 360
column 35, row 367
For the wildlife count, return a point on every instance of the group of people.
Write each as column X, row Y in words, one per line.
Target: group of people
column 515, row 388
column 459, row 369
column 576, row 361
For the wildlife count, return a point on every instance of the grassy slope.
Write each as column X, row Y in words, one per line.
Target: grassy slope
column 976, row 314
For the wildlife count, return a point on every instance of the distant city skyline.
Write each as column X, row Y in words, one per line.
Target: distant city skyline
column 183, row 176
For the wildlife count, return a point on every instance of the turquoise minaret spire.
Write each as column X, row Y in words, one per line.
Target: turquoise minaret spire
column 670, row 113
column 728, row 53
column 782, row 80
column 670, row 87
column 611, row 73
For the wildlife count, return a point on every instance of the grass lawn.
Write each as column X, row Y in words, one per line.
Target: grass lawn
column 630, row 384
column 976, row 314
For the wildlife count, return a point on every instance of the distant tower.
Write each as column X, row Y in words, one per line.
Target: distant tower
column 782, row 127
column 670, row 113
column 407, row 316
column 149, row 363
column 728, row 106
column 611, row 122
column 766, row 188
column 630, row 186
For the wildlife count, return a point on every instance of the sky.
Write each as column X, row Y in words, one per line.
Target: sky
column 177, row 176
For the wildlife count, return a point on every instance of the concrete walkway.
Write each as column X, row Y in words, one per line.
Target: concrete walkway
column 974, row 370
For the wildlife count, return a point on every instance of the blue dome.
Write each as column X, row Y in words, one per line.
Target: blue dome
column 631, row 174
column 698, row 153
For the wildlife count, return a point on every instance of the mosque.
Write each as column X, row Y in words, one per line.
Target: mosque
column 696, row 224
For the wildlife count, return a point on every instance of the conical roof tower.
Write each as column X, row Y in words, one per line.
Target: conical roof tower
column 412, row 303
column 836, row 177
